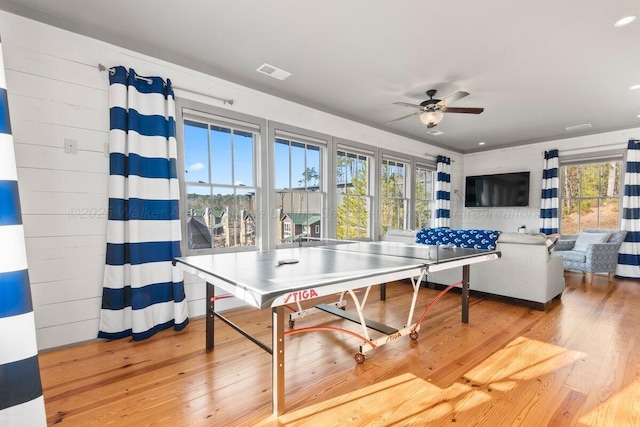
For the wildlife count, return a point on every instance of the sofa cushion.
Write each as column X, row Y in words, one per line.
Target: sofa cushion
column 585, row 239
column 462, row 238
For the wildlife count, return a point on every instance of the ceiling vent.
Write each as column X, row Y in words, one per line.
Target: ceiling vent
column 435, row 132
column 576, row 127
column 272, row 71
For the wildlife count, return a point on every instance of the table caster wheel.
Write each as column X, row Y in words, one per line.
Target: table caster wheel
column 292, row 323
column 413, row 335
column 359, row 358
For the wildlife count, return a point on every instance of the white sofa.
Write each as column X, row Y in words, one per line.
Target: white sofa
column 526, row 272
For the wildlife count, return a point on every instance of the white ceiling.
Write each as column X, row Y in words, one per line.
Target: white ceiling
column 535, row 67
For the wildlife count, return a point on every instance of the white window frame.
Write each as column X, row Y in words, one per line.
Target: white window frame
column 195, row 111
column 307, row 137
column 420, row 164
column 591, row 158
column 355, row 148
column 407, row 198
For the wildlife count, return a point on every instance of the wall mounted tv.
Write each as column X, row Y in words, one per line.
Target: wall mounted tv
column 498, row 190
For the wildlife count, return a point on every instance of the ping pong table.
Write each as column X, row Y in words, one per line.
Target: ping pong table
column 285, row 277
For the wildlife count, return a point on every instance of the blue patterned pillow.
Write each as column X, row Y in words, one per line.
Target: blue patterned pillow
column 462, row 238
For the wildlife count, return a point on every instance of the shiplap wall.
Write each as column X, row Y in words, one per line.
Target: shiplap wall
column 55, row 93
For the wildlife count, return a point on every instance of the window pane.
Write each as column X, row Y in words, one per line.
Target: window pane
column 282, row 169
column 298, row 165
column 609, row 213
column 299, row 168
column 221, row 156
column 223, row 208
column 392, row 214
column 353, row 200
column 243, row 159
column 423, row 214
column 590, row 196
column 312, row 173
column 590, row 180
column 588, row 213
column 353, row 217
column 196, row 152
column 242, row 219
column 609, row 179
column 198, row 217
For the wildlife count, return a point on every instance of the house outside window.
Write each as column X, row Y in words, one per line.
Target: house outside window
column 220, row 184
column 299, row 188
column 424, row 181
column 354, row 198
column 394, row 199
column 590, row 196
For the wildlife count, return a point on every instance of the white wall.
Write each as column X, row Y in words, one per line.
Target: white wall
column 55, row 93
column 529, row 158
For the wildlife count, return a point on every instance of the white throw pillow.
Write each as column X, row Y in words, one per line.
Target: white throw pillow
column 585, row 239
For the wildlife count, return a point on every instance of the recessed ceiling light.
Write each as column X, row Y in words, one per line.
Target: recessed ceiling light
column 634, row 87
column 481, row 143
column 624, row 21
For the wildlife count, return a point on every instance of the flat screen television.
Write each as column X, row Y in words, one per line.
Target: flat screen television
column 497, row 190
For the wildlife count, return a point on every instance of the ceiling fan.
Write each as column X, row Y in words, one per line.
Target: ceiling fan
column 432, row 110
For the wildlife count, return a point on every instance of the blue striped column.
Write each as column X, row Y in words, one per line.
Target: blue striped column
column 21, row 400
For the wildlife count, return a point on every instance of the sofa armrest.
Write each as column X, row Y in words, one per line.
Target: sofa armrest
column 602, row 255
column 564, row 245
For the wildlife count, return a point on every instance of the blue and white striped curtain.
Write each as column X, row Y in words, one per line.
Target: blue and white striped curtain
column 443, row 192
column 550, row 201
column 142, row 292
column 629, row 253
column 21, row 401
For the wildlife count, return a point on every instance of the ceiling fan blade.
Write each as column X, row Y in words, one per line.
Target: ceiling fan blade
column 462, row 110
column 406, row 104
column 453, row 97
column 400, row 118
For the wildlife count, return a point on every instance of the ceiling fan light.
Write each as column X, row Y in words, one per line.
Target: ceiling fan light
column 431, row 117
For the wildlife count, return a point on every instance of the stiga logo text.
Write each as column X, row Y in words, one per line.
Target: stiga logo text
column 301, row 295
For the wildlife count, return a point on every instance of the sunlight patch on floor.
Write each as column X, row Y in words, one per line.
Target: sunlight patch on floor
column 387, row 402
column 622, row 409
column 522, row 359
column 409, row 398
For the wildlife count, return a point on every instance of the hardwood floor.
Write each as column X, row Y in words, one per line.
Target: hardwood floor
column 577, row 364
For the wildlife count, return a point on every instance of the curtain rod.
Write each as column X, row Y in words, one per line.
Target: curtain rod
column 436, row 157
column 224, row 100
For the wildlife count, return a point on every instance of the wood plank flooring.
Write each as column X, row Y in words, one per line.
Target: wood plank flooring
column 577, row 364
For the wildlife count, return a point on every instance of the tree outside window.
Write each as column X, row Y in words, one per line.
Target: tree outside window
column 353, row 196
column 394, row 200
column 424, row 197
column 590, row 196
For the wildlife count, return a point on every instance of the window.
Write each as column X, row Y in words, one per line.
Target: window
column 424, row 179
column 394, row 199
column 590, row 196
column 298, row 186
column 220, row 184
column 353, row 195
